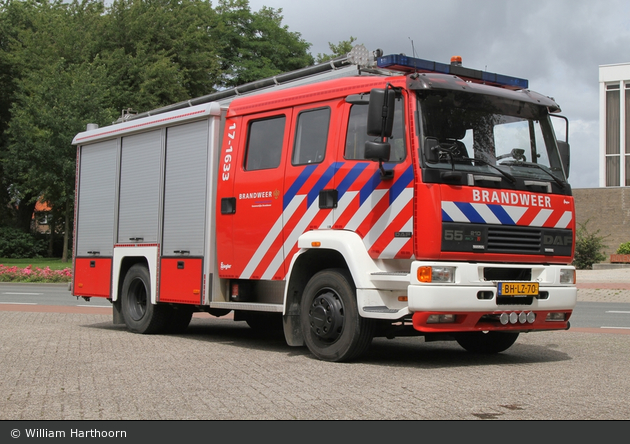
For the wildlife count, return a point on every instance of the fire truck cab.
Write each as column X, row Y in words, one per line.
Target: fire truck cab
column 377, row 196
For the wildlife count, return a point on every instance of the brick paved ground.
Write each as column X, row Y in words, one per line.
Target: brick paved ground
column 79, row 366
column 604, row 285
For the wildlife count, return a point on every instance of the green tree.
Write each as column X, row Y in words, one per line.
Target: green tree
column 60, row 87
column 14, row 16
column 255, row 45
column 65, row 64
column 54, row 104
column 159, row 52
column 340, row 49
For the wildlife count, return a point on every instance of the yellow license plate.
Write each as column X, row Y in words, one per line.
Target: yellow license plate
column 518, row 288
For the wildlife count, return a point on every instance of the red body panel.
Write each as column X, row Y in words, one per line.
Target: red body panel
column 181, row 280
column 521, row 208
column 275, row 206
column 92, row 277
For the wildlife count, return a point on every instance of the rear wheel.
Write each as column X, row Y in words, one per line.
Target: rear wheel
column 331, row 325
column 141, row 316
column 486, row 342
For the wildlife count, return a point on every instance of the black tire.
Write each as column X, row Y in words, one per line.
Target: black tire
column 486, row 342
column 141, row 316
column 178, row 319
column 329, row 318
column 264, row 321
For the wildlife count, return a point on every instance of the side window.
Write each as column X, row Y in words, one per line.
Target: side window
column 311, row 134
column 357, row 133
column 264, row 144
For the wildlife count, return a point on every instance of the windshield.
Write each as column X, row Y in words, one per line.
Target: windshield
column 494, row 135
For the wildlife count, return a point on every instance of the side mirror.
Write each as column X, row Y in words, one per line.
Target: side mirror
column 431, row 155
column 565, row 156
column 563, row 145
column 381, row 112
column 377, row 151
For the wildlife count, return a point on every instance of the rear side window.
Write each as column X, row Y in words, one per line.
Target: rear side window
column 311, row 135
column 264, row 144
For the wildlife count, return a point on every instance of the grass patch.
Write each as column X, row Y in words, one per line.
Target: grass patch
column 41, row 262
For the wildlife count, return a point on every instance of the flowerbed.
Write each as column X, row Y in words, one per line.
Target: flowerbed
column 28, row 274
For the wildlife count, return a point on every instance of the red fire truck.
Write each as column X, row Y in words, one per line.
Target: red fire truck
column 372, row 196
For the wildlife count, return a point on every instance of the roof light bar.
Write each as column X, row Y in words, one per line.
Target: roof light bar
column 406, row 64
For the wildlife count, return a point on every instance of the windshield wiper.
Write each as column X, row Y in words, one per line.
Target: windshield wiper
column 508, row 176
column 535, row 165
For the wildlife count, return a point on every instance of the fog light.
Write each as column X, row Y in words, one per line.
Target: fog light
column 531, row 317
column 441, row 319
column 522, row 317
column 504, row 318
column 556, row 316
column 513, row 318
column 567, row 276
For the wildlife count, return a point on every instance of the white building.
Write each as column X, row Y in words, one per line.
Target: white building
column 614, row 125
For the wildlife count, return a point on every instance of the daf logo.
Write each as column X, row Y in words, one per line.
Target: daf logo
column 557, row 240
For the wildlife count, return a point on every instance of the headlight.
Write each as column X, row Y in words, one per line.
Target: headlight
column 567, row 276
column 436, row 274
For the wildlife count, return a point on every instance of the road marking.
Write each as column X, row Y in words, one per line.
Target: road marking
column 19, row 303
column 618, row 328
column 95, row 306
column 26, row 294
column 622, row 312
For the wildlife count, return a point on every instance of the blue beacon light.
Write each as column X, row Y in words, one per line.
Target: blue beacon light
column 399, row 62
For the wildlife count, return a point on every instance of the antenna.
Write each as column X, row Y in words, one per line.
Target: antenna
column 413, row 50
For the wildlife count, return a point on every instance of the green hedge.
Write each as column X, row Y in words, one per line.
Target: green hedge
column 18, row 244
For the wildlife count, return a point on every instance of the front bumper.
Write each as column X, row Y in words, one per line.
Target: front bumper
column 471, row 302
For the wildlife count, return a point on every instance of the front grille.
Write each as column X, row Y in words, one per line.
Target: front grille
column 514, row 240
column 506, row 239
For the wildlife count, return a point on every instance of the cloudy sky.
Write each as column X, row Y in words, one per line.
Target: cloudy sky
column 558, row 45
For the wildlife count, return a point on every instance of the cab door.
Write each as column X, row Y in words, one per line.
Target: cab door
column 309, row 196
column 379, row 209
column 258, row 187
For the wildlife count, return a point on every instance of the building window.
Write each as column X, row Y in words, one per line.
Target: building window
column 612, row 135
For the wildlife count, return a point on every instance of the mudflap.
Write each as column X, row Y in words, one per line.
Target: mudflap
column 117, row 313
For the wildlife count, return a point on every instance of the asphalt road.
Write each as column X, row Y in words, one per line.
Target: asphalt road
column 593, row 312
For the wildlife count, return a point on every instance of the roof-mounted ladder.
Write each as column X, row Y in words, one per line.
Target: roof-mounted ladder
column 350, row 64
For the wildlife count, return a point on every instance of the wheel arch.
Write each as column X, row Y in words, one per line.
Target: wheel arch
column 125, row 257
column 337, row 249
column 125, row 264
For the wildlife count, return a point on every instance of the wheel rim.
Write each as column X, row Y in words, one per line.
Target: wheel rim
column 137, row 299
column 326, row 316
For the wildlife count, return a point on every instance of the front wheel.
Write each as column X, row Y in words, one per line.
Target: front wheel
column 486, row 342
column 330, row 321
